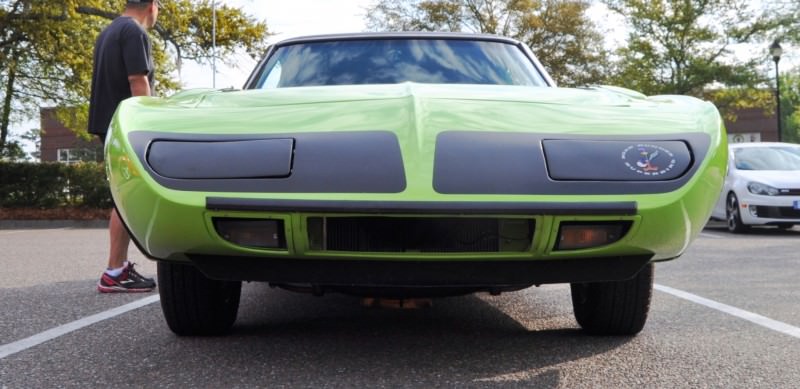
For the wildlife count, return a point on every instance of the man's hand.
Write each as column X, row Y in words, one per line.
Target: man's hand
column 140, row 86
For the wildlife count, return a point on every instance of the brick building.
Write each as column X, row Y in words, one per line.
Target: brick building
column 752, row 125
column 61, row 144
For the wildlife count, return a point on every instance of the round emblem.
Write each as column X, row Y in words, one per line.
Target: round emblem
column 648, row 159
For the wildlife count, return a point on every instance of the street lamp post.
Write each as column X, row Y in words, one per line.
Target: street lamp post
column 776, row 51
column 214, row 44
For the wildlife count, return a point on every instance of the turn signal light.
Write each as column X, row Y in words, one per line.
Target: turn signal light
column 576, row 236
column 260, row 233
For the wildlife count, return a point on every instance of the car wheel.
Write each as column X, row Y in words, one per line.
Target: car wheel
column 194, row 304
column 615, row 307
column 734, row 217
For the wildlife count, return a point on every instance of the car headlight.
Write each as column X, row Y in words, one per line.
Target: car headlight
column 762, row 189
column 616, row 160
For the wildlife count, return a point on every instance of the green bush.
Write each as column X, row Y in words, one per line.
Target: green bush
column 87, row 185
column 51, row 185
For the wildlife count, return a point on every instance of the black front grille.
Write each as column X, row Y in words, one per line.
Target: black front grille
column 789, row 192
column 778, row 212
column 413, row 234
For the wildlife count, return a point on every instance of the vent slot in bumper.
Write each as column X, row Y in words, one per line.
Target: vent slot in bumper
column 777, row 212
column 419, row 234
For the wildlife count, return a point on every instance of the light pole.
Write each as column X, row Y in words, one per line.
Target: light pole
column 776, row 51
column 214, row 44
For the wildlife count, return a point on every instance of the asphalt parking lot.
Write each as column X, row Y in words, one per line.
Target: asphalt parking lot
column 726, row 314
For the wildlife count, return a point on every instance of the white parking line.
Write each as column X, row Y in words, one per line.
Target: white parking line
column 733, row 311
column 713, row 236
column 24, row 344
column 22, row 231
column 35, row 340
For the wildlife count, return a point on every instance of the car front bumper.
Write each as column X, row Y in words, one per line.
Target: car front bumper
column 179, row 224
column 769, row 210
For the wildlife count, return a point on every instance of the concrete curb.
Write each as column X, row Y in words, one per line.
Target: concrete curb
column 50, row 224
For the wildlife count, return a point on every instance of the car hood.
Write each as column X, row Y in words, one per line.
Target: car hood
column 604, row 96
column 417, row 110
column 785, row 179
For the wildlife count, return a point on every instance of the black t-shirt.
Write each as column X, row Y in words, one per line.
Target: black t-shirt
column 122, row 49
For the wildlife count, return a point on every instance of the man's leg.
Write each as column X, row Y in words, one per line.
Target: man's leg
column 121, row 276
column 120, row 240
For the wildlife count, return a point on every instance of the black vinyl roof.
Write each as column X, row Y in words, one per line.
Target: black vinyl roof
column 397, row 35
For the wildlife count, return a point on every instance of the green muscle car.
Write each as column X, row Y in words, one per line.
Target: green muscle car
column 412, row 165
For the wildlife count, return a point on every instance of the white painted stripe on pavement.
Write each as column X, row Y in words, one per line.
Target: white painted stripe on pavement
column 714, row 236
column 740, row 313
column 13, row 232
column 24, row 344
column 36, row 230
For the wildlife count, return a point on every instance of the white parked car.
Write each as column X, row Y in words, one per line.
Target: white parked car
column 762, row 186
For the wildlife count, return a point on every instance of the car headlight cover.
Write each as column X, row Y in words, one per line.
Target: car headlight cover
column 616, row 160
column 762, row 189
column 257, row 158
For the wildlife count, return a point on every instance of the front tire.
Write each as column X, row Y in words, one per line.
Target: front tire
column 734, row 216
column 614, row 307
column 194, row 304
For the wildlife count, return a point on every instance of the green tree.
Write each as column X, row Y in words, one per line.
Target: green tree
column 789, row 35
column 790, row 106
column 686, row 46
column 559, row 32
column 13, row 152
column 730, row 99
column 46, row 50
column 788, row 13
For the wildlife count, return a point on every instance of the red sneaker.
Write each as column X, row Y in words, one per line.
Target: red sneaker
column 129, row 281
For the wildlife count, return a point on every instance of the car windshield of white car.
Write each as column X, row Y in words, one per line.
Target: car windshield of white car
column 767, row 158
column 392, row 61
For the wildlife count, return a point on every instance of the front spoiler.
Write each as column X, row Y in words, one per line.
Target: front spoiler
column 619, row 208
column 368, row 273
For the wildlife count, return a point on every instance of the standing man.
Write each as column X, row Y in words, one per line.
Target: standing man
column 123, row 67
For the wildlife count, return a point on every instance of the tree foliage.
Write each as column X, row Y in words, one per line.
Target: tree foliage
column 560, row 32
column 731, row 100
column 46, row 50
column 787, row 12
column 685, row 46
column 790, row 107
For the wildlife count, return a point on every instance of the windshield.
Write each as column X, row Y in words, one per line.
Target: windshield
column 767, row 158
column 392, row 61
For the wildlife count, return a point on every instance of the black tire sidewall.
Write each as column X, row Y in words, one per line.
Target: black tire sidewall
column 195, row 305
column 614, row 307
